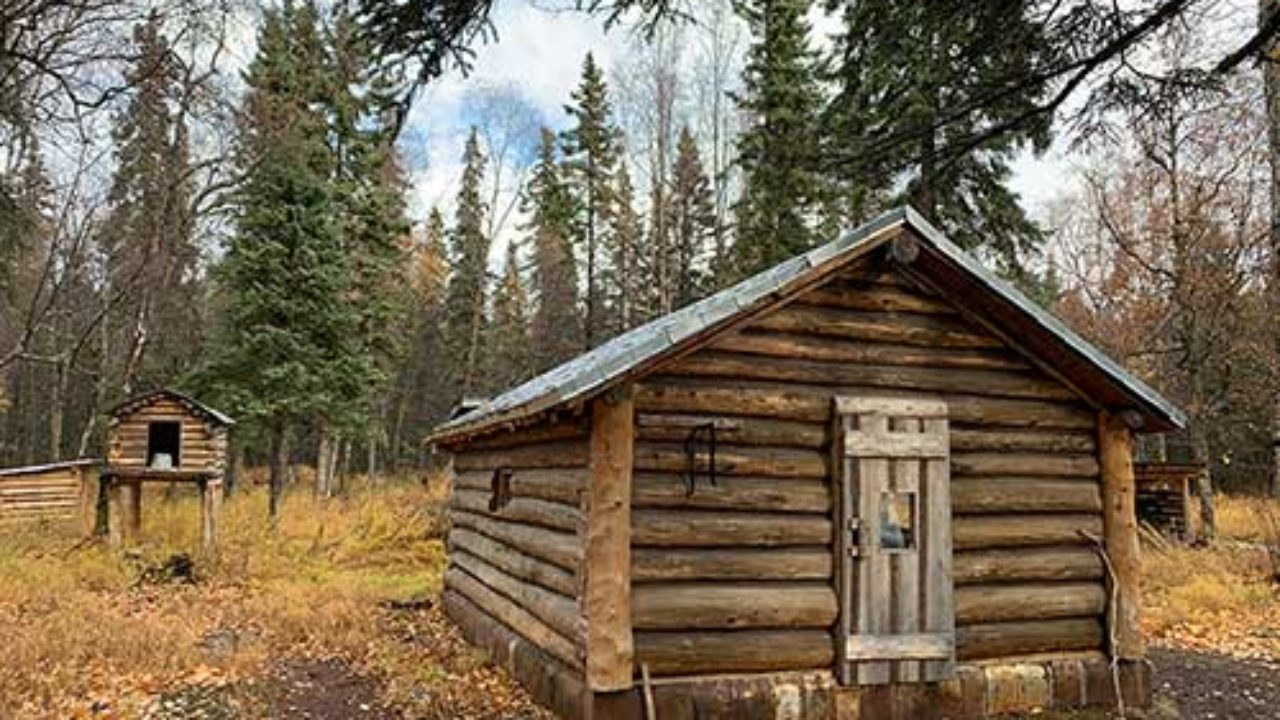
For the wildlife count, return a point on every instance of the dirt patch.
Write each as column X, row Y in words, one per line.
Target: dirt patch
column 322, row 690
column 1205, row 686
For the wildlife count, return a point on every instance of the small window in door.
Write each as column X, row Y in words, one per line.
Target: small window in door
column 897, row 521
column 164, row 445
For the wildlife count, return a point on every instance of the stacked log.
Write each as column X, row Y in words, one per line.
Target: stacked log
column 517, row 563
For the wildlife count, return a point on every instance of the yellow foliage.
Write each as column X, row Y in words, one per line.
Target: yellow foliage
column 79, row 628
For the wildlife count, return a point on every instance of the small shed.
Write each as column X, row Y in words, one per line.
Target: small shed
column 53, row 491
column 873, row 481
column 163, row 436
column 1164, row 496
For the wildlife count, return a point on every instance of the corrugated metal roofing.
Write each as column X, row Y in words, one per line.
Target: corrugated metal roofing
column 593, row 371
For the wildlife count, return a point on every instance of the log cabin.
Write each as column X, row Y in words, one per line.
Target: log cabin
column 164, row 436
column 874, row 481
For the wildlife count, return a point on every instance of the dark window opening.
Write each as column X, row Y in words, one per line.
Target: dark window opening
column 500, row 485
column 164, row 445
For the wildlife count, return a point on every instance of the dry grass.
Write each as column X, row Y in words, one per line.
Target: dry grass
column 1221, row 597
column 81, row 631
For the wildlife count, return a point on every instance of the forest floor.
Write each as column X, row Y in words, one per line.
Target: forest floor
column 334, row 615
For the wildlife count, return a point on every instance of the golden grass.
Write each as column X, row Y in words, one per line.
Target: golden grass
column 79, row 629
column 1221, row 597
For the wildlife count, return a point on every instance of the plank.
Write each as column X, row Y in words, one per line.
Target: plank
column 731, row 492
column 688, row 653
column 557, row 548
column 996, row 640
column 1002, row 383
column 513, row 616
column 993, row 495
column 732, row 460
column 691, row 528
column 780, row 345
column 727, row 606
column 985, row 463
column 732, row 430
column 557, row 611
column 1027, row 564
column 779, row 563
column 563, row 485
column 555, row 516
column 562, row 454
column 979, row 604
column 514, row 562
column 899, row 646
column 994, row 531
column 905, row 328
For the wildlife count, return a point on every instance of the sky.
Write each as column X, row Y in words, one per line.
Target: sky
column 538, row 54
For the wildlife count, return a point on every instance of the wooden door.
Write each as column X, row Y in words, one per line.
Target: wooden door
column 897, row 620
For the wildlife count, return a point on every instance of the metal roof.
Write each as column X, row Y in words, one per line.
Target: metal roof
column 30, row 469
column 139, row 401
column 595, row 370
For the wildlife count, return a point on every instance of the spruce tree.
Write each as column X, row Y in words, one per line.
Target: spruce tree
column 465, row 301
column 370, row 207
column 782, row 189
column 591, row 149
column 630, row 286
column 692, row 225
column 508, row 350
column 556, row 324
column 910, row 79
column 422, row 395
column 153, row 328
column 287, row 328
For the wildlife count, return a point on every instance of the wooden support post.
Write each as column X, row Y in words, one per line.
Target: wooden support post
column 210, row 501
column 132, row 510
column 1120, row 531
column 88, row 500
column 115, row 510
column 606, row 597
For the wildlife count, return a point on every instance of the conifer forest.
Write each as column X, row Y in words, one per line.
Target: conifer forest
column 220, row 197
column 340, row 221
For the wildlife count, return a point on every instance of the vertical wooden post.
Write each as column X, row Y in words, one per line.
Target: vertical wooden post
column 210, row 494
column 606, row 597
column 1120, row 530
column 115, row 510
column 125, row 510
column 88, row 500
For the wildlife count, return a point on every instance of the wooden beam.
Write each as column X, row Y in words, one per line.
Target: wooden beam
column 1120, row 533
column 606, row 596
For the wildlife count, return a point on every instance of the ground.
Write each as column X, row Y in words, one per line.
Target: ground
column 333, row 614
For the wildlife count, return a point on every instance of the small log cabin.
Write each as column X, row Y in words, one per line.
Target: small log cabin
column 163, row 436
column 55, row 491
column 873, row 481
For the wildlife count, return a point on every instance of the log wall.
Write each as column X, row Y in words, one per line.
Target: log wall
column 736, row 576
column 519, row 566
column 204, row 444
column 57, row 491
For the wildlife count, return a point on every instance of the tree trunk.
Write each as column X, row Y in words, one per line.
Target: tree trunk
column 1271, row 83
column 1204, row 483
column 345, row 464
column 324, row 472
column 371, row 464
column 235, row 465
column 279, row 468
column 57, row 411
